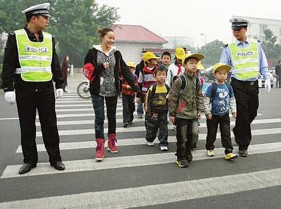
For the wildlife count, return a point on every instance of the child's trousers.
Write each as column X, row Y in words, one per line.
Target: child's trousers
column 212, row 126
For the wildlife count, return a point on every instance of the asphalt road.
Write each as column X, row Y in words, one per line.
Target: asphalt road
column 139, row 176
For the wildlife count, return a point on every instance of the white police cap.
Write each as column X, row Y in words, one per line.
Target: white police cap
column 39, row 9
column 238, row 23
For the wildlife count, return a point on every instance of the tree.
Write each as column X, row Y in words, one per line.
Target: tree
column 74, row 23
column 212, row 52
column 271, row 49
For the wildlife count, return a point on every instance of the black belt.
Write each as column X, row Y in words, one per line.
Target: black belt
column 250, row 83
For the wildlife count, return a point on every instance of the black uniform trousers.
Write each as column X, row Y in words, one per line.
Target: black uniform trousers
column 42, row 100
column 247, row 100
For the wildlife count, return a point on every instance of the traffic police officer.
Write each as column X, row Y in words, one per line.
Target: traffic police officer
column 30, row 66
column 248, row 62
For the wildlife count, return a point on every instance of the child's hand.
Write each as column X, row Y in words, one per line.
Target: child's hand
column 173, row 119
column 209, row 116
column 128, row 87
column 234, row 114
column 199, row 115
column 138, row 100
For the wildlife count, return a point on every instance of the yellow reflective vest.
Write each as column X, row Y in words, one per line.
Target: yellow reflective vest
column 35, row 58
column 245, row 60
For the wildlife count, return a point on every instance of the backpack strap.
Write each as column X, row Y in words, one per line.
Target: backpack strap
column 151, row 95
column 215, row 86
column 183, row 82
column 214, row 90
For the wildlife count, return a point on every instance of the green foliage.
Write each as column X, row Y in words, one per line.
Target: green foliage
column 271, row 49
column 212, row 52
column 74, row 23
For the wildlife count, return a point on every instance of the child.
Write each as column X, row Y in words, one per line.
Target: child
column 201, row 78
column 156, row 109
column 128, row 97
column 139, row 68
column 176, row 68
column 165, row 60
column 146, row 75
column 185, row 107
column 220, row 97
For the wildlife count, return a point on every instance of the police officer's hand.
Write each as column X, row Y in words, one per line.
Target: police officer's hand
column 59, row 93
column 10, row 97
column 267, row 85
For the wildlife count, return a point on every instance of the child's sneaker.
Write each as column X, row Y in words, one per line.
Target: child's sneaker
column 150, row 144
column 230, row 156
column 163, row 148
column 210, row 153
column 182, row 163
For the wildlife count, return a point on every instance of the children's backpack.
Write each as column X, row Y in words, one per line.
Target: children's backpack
column 184, row 80
column 215, row 86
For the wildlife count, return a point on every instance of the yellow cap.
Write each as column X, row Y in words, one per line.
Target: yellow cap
column 148, row 56
column 219, row 66
column 180, row 53
column 199, row 57
column 131, row 64
column 200, row 66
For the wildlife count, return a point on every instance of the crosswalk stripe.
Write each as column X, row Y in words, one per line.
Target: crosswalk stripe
column 79, row 105
column 153, row 194
column 84, row 109
column 202, row 125
column 131, row 141
column 129, row 161
column 92, row 144
column 73, row 102
column 142, row 128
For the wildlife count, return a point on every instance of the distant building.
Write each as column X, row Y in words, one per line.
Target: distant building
column 257, row 26
column 131, row 40
column 176, row 41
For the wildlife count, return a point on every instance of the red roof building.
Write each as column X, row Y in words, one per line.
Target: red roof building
column 136, row 33
column 131, row 40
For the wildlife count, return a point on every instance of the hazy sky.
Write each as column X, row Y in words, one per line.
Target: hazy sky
column 191, row 18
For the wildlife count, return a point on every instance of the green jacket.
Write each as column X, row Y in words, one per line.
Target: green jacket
column 188, row 102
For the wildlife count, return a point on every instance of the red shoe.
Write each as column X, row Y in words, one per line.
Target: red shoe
column 100, row 149
column 112, row 143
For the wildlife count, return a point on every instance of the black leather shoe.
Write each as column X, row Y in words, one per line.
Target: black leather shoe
column 26, row 167
column 59, row 166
